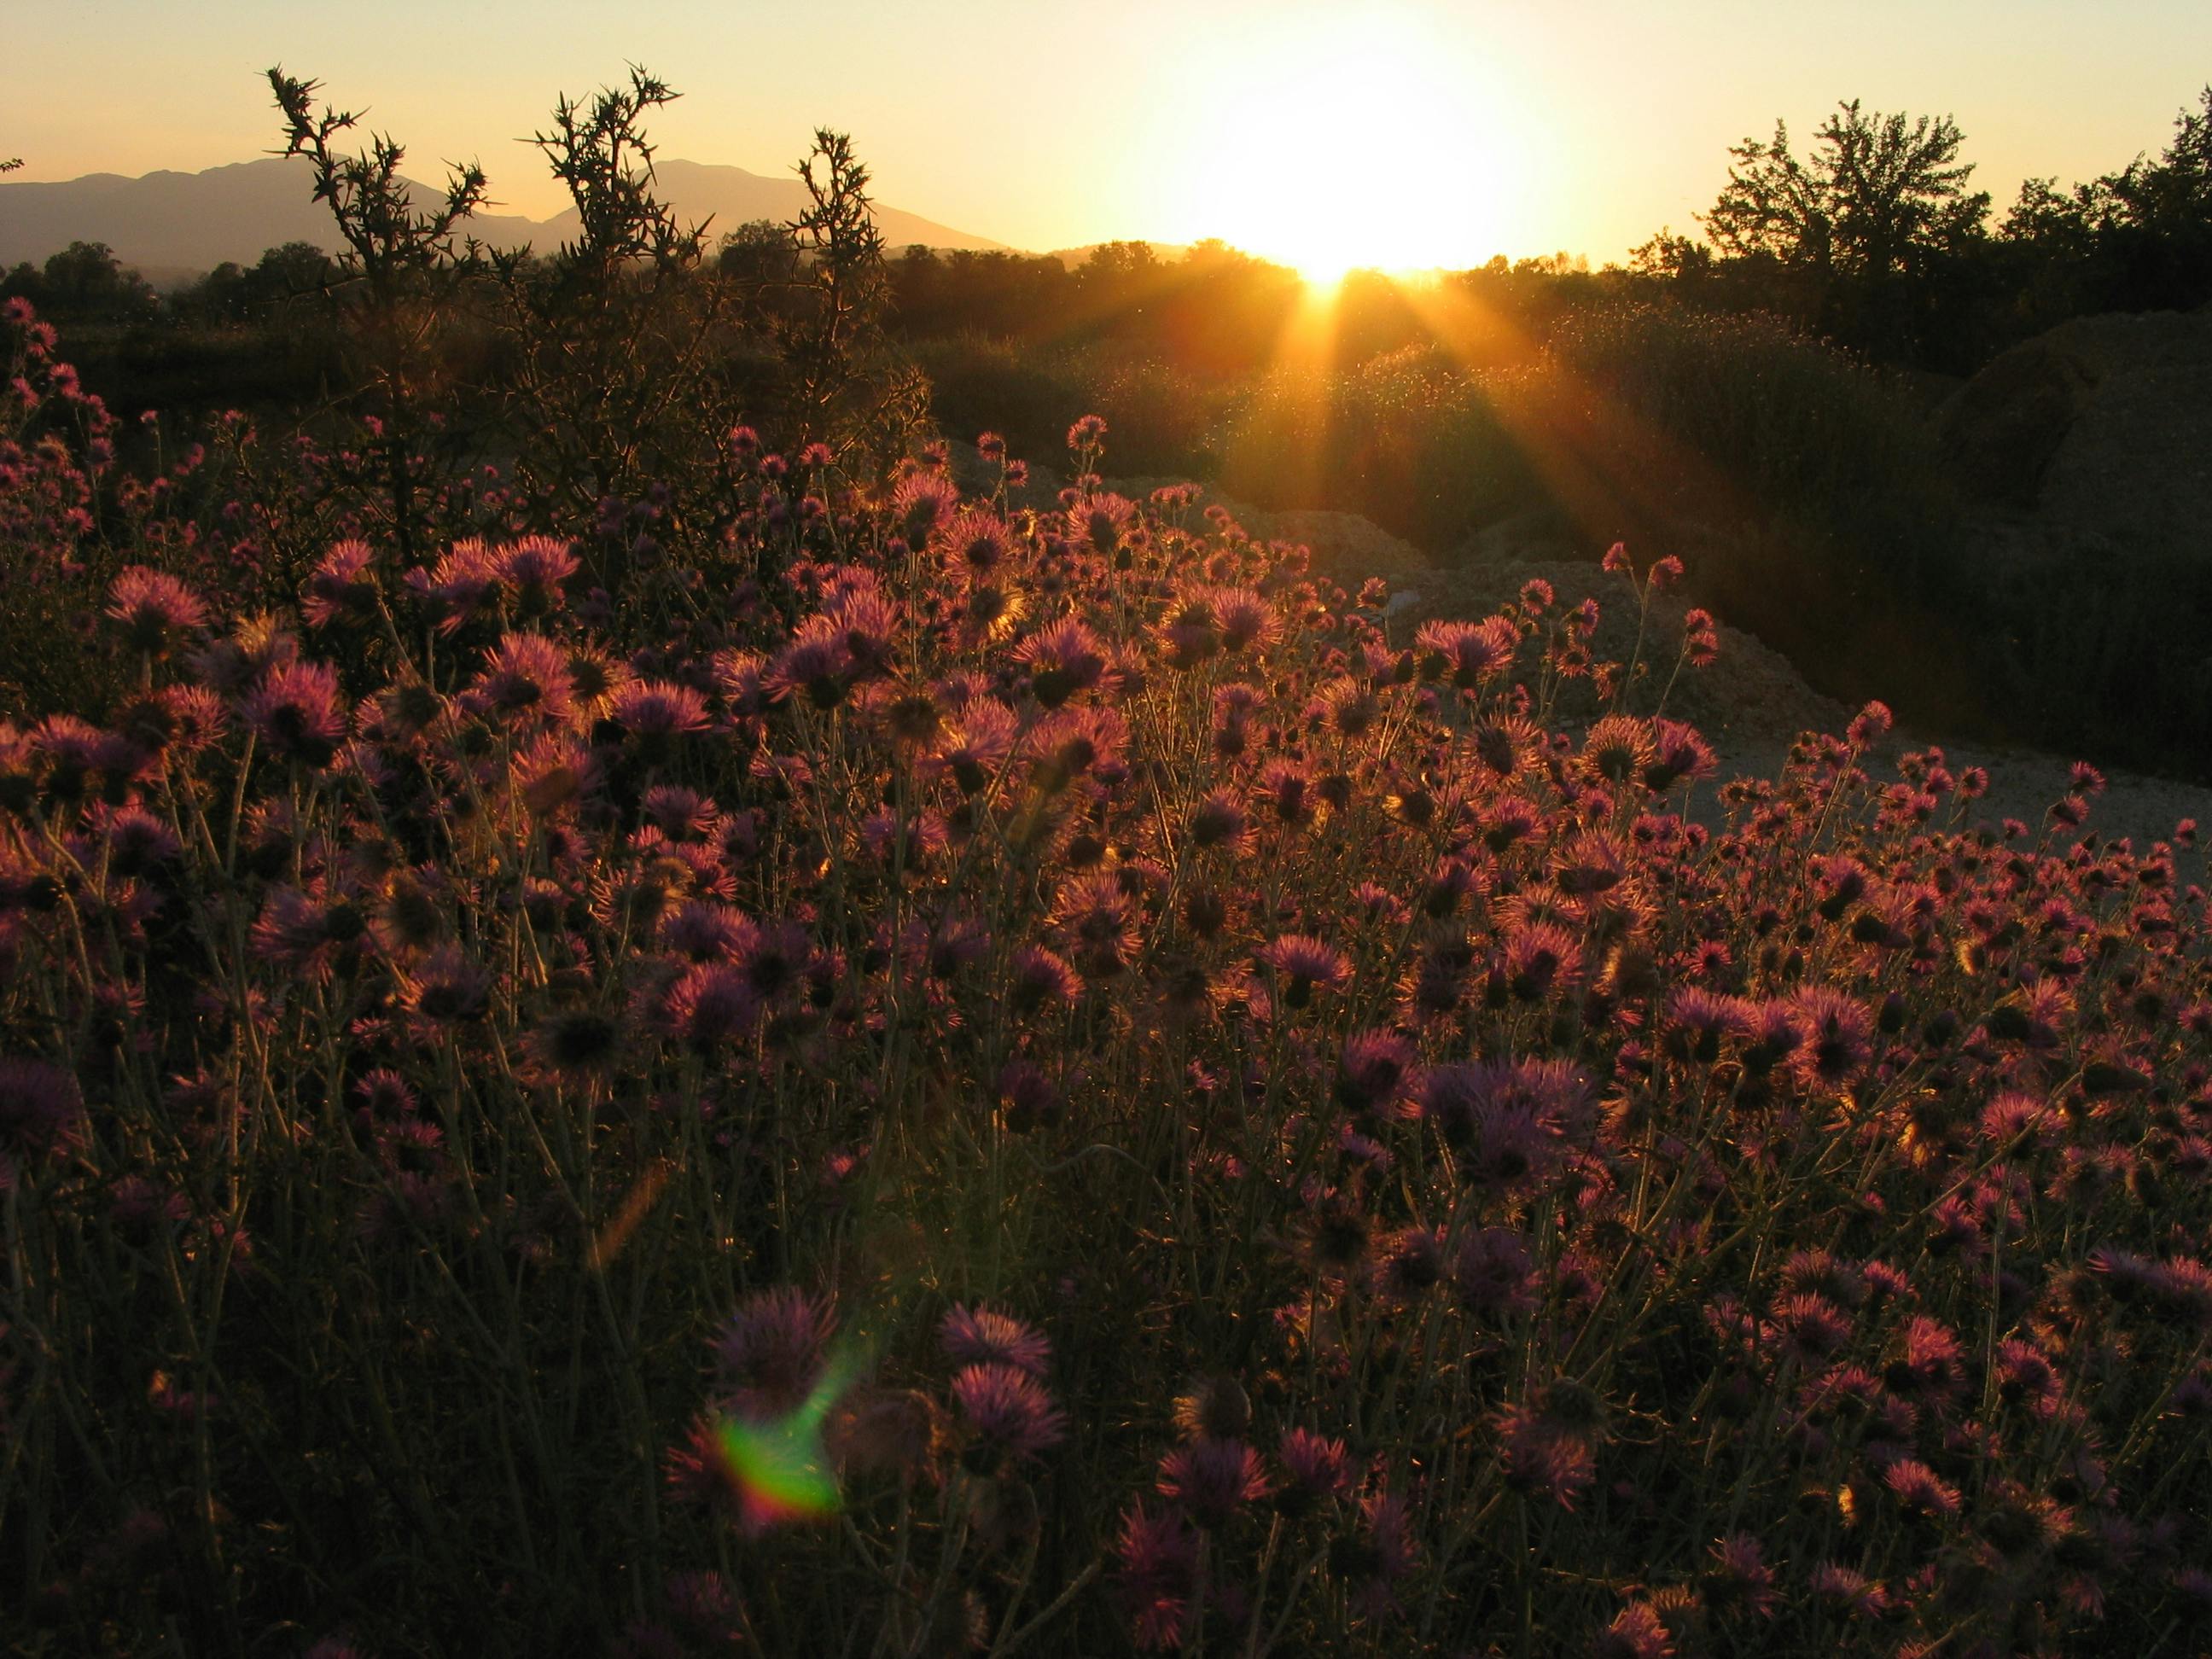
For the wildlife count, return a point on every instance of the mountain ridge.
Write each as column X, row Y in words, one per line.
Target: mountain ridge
column 172, row 220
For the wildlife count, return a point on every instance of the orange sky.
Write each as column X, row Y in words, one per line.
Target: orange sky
column 1397, row 134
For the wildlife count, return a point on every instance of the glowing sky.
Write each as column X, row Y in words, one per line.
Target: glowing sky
column 1526, row 126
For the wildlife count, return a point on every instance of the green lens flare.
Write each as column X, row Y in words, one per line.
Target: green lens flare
column 780, row 1468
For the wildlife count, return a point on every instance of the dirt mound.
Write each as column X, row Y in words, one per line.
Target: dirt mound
column 2000, row 430
column 2100, row 428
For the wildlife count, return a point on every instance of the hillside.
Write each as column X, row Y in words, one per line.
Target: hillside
column 180, row 221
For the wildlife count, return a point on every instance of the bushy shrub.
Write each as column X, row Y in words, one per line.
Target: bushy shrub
column 927, row 1077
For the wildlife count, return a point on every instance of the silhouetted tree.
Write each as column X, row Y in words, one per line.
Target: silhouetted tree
column 1876, row 197
column 611, row 338
column 84, row 283
column 400, row 274
column 848, row 382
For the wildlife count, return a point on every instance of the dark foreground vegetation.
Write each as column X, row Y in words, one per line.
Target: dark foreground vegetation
column 701, row 1045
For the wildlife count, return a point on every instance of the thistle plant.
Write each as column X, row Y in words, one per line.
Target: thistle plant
column 920, row 1075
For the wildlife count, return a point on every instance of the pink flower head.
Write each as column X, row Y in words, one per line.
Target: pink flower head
column 1008, row 1414
column 1467, row 653
column 771, row 1351
column 1062, row 659
column 1213, row 1479
column 41, row 1111
column 154, row 609
column 1303, row 963
column 660, row 708
column 1159, row 1575
column 979, row 1336
column 531, row 573
column 340, row 588
column 457, row 586
column 1870, row 726
column 294, row 712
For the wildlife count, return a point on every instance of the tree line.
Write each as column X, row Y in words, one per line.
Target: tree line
column 1874, row 238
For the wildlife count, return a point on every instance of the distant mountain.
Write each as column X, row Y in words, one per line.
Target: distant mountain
column 176, row 221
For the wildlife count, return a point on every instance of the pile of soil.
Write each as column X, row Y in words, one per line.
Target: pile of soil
column 2099, row 431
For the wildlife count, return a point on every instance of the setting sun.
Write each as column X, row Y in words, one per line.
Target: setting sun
column 1356, row 143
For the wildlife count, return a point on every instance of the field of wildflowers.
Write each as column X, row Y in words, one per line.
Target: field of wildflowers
column 814, row 1064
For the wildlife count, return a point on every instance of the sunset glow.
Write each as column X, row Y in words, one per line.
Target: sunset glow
column 1416, row 166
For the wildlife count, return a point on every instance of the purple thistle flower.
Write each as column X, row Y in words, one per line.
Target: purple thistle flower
column 866, row 623
column 526, row 677
column 1541, row 957
column 1303, row 963
column 1286, row 788
column 770, row 1351
column 1219, row 820
column 294, row 712
column 1506, row 1118
column 1848, row 1591
column 1376, row 1070
column 531, row 572
column 1101, row 519
column 1009, row 1415
column 447, row 986
column 154, row 609
column 920, row 502
column 1378, row 1556
column 1062, row 659
column 1738, row 1579
column 138, row 844
column 978, row 542
column 1042, row 979
column 1592, row 862
column 578, row 1044
column 1541, row 1458
column 982, row 1336
column 818, row 665
column 701, row 930
column 710, row 1004
column 1467, row 653
column 1920, row 1491
column 1410, row 1263
column 1836, row 1036
column 680, row 814
column 1214, row 1407
column 1680, row 756
column 660, row 708
column 1316, row 1470
column 1698, row 1021
column 1243, row 619
column 1158, row 1573
column 1933, row 1361
column 1870, row 726
column 1636, row 1632
column 456, row 588
column 340, row 586
column 41, row 1112
column 978, row 744
column 1811, row 1329
column 1212, row 1478
column 1493, row 1274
